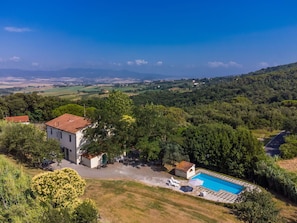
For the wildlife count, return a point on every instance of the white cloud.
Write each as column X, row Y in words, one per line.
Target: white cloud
column 116, row 64
column 159, row 63
column 17, row 29
column 140, row 62
column 234, row 64
column 216, row 64
column 15, row 59
column 137, row 62
column 263, row 64
column 35, row 64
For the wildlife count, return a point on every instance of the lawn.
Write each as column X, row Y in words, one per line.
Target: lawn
column 128, row 201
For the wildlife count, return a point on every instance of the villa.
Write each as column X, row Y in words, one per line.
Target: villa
column 68, row 130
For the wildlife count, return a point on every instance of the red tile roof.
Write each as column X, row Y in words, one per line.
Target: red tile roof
column 22, row 118
column 184, row 166
column 69, row 123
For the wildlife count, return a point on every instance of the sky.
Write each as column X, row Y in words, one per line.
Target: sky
column 192, row 38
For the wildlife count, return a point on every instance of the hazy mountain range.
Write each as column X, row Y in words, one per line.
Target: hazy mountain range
column 96, row 76
column 78, row 75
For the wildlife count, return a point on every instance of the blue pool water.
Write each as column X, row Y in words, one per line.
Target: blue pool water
column 216, row 184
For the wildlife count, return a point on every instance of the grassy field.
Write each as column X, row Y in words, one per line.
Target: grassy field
column 128, row 201
column 290, row 165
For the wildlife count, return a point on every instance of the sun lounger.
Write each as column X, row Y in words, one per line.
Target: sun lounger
column 171, row 183
column 174, row 180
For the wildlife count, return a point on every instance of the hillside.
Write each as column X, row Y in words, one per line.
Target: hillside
column 269, row 85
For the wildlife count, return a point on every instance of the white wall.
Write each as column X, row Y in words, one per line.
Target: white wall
column 191, row 172
column 187, row 175
column 72, row 146
column 93, row 162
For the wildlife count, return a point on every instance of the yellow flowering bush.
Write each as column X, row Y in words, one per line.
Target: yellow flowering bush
column 61, row 188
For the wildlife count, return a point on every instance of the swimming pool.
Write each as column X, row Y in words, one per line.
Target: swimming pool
column 216, row 184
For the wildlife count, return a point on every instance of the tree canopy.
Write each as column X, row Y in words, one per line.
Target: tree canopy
column 256, row 207
column 28, row 144
column 222, row 148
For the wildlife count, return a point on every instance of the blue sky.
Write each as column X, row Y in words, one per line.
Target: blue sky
column 183, row 38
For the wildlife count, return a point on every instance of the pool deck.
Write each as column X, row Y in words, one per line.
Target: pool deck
column 220, row 196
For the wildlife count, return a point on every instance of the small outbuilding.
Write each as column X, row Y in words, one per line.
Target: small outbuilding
column 185, row 169
column 94, row 161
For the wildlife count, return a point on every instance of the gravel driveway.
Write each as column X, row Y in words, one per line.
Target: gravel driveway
column 151, row 175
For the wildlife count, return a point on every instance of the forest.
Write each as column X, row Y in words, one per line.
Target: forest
column 210, row 125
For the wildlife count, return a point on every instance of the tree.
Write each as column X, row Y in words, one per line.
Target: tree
column 157, row 122
column 28, row 144
column 13, row 184
column 73, row 109
column 85, row 212
column 52, row 215
column 39, row 108
column 114, row 123
column 61, row 188
column 150, row 150
column 222, row 148
column 118, row 104
column 155, row 125
column 173, row 153
column 256, row 207
column 289, row 148
column 17, row 203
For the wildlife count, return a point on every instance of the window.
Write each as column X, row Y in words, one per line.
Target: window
column 61, row 135
column 51, row 131
column 69, row 138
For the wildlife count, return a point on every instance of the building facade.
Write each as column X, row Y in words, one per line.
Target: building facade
column 68, row 130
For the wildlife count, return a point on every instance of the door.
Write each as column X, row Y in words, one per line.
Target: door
column 66, row 154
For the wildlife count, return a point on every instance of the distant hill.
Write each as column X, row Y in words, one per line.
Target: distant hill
column 281, row 68
column 265, row 86
column 81, row 74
